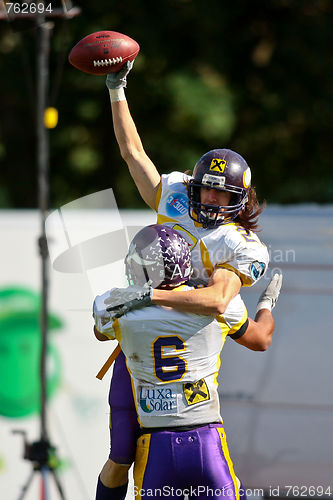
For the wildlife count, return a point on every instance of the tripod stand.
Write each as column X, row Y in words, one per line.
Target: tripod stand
column 42, row 453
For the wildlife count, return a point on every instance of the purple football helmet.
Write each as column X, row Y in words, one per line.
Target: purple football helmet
column 160, row 255
column 221, row 169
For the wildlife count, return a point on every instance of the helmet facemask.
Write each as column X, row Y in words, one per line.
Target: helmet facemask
column 214, row 215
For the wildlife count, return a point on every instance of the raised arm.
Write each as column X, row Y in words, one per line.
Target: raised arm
column 142, row 169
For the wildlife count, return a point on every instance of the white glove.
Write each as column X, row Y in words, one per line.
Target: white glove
column 270, row 295
column 123, row 300
column 101, row 316
column 118, row 80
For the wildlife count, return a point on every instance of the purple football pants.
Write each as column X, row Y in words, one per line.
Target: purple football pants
column 170, row 464
column 124, row 427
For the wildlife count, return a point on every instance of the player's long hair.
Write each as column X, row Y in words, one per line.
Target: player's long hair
column 248, row 217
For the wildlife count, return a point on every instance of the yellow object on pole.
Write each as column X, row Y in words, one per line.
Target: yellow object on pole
column 50, row 117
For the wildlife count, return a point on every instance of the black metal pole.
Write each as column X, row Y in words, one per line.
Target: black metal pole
column 43, row 47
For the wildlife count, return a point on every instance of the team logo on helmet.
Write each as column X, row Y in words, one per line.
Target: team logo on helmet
column 218, row 165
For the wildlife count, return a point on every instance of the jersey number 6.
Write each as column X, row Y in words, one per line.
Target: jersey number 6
column 169, row 368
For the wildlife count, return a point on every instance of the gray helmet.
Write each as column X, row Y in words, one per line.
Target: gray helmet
column 221, row 169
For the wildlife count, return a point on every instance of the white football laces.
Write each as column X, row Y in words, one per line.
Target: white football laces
column 108, row 62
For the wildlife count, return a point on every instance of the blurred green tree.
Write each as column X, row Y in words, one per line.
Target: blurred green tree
column 252, row 76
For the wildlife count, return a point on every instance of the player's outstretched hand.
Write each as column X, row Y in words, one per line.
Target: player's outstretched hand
column 270, row 295
column 122, row 300
column 119, row 79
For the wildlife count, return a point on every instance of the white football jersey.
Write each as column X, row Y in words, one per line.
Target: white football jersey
column 228, row 246
column 173, row 358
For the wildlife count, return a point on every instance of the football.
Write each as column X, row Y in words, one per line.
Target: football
column 103, row 52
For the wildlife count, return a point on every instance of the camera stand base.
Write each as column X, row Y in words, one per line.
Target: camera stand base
column 44, row 489
column 42, row 455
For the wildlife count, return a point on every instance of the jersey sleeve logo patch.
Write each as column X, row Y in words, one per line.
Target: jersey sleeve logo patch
column 196, row 393
column 177, row 204
column 218, row 165
column 257, row 269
